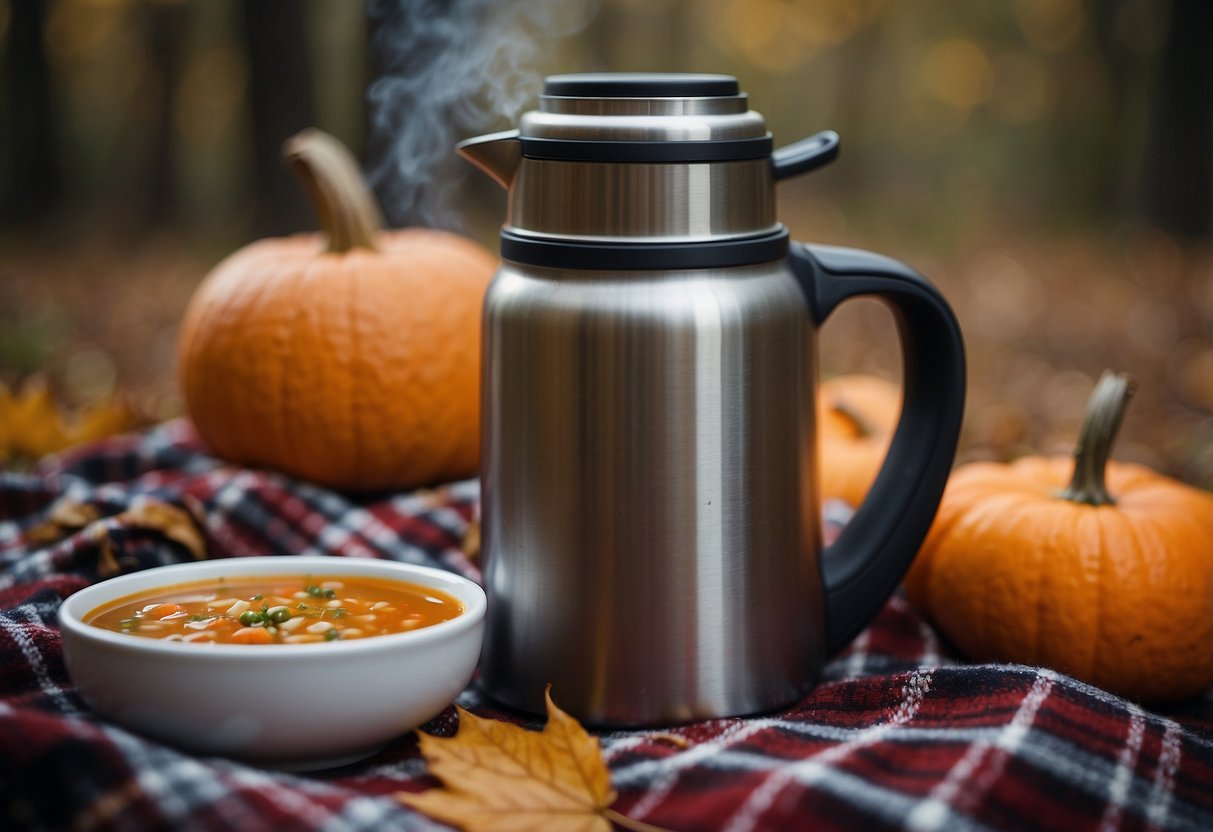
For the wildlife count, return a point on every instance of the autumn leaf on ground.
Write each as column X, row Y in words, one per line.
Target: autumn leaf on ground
column 498, row 777
column 33, row 425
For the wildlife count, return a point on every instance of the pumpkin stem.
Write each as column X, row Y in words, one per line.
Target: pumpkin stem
column 344, row 205
column 1105, row 410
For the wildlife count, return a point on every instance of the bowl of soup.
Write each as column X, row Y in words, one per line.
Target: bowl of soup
column 291, row 662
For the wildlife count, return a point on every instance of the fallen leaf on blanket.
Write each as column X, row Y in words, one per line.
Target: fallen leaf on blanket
column 66, row 516
column 498, row 777
column 32, row 423
column 471, row 541
column 176, row 523
column 108, row 564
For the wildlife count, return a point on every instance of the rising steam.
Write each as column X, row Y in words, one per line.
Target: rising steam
column 447, row 70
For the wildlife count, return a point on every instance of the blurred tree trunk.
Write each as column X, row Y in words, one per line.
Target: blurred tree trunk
column 1117, row 152
column 1177, row 173
column 34, row 178
column 860, row 58
column 168, row 27
column 280, row 93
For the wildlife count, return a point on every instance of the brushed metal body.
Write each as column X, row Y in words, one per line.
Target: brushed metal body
column 667, row 202
column 650, row 518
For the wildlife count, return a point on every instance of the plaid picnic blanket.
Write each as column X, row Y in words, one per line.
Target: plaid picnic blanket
column 900, row 734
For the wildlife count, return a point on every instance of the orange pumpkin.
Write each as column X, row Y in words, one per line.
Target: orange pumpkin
column 856, row 416
column 350, row 359
column 1108, row 578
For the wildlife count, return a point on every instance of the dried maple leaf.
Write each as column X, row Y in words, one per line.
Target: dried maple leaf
column 32, row 425
column 498, row 777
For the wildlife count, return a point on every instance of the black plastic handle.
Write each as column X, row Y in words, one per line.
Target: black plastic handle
column 805, row 155
column 863, row 567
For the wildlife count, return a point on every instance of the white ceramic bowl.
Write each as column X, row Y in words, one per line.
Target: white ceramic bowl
column 299, row 706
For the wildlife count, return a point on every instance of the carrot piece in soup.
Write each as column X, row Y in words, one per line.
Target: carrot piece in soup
column 251, row 635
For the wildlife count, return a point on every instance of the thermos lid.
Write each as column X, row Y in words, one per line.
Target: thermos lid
column 640, row 85
column 643, row 118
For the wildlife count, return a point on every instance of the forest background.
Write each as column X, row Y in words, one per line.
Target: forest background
column 1048, row 163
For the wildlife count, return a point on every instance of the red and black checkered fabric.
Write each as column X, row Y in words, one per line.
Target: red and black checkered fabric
column 900, row 734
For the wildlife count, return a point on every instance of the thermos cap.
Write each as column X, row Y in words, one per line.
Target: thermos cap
column 645, row 110
column 640, row 85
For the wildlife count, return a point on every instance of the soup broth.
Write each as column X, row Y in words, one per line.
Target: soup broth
column 279, row 609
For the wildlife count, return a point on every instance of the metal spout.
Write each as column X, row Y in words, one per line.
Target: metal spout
column 497, row 154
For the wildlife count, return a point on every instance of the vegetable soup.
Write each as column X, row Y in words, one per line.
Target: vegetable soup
column 281, row 609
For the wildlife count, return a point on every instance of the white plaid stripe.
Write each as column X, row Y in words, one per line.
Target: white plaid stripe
column 229, row 500
column 661, row 775
column 347, row 522
column 936, row 811
column 178, row 785
column 856, row 660
column 1058, row 759
column 887, row 804
column 295, row 801
column 858, row 791
column 14, row 629
column 29, row 567
column 612, row 747
column 1068, row 764
column 816, row 768
column 910, row 734
column 376, row 814
column 1159, row 804
column 1118, row 789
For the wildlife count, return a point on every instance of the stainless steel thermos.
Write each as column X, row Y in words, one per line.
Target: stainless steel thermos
column 650, row 516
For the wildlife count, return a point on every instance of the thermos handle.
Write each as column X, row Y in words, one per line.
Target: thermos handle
column 871, row 556
column 804, row 155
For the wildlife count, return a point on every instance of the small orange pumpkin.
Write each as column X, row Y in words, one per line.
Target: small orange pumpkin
column 856, row 416
column 1108, row 578
column 351, row 361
